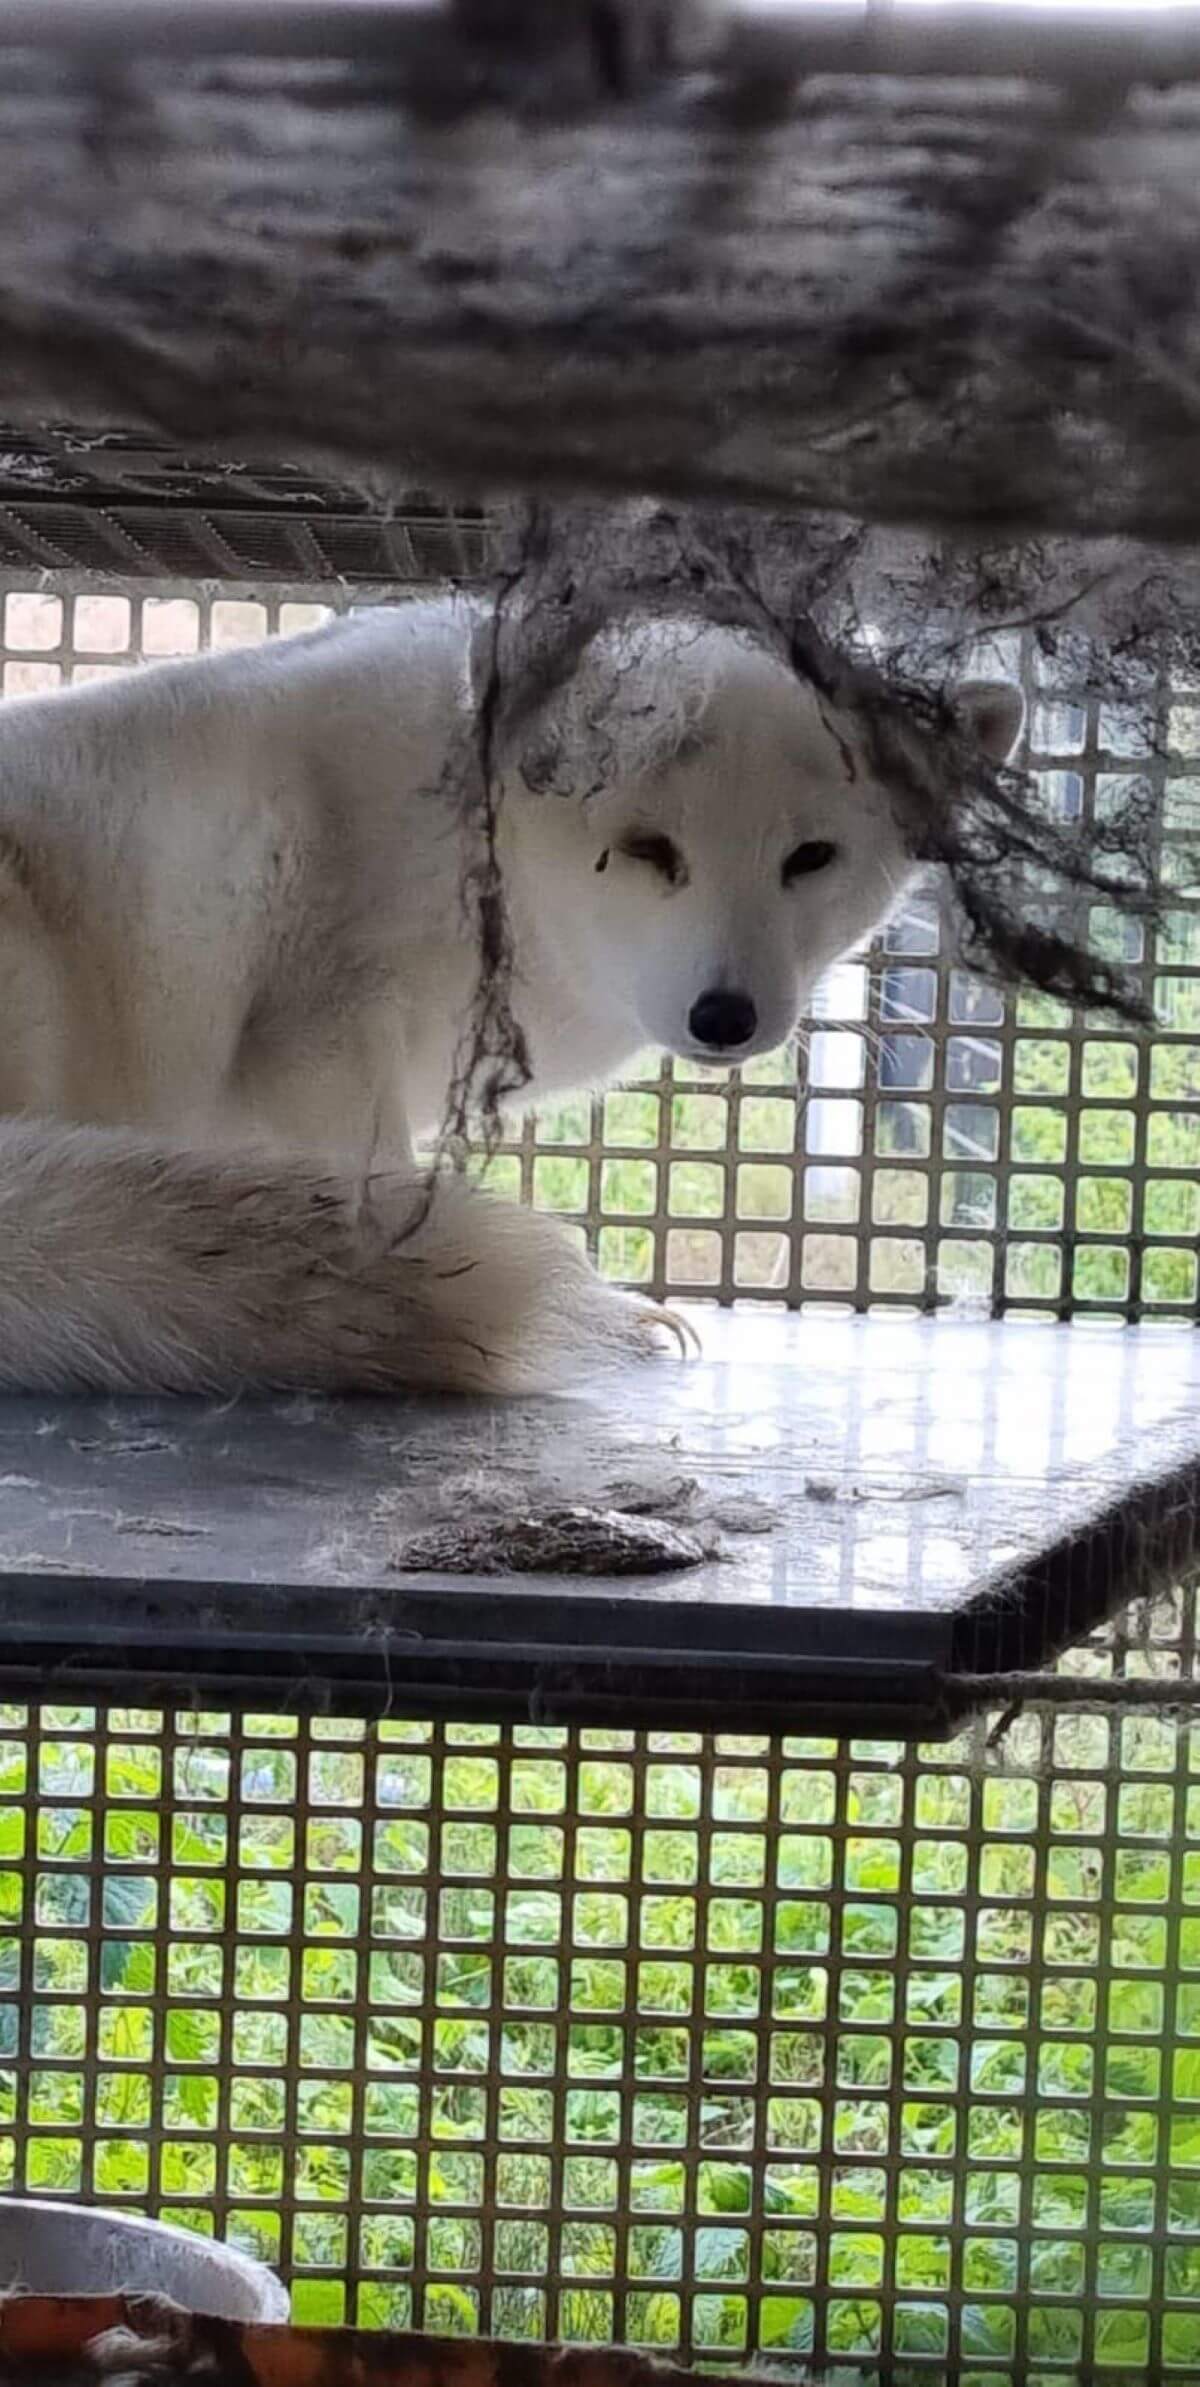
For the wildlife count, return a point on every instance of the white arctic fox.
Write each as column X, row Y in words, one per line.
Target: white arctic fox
column 235, row 965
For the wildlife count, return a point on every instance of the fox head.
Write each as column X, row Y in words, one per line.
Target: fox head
column 706, row 832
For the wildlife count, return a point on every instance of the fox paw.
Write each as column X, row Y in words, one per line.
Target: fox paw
column 650, row 1319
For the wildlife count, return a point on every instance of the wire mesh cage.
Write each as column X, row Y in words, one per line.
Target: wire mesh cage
column 849, row 2052
column 865, row 2051
column 880, row 2053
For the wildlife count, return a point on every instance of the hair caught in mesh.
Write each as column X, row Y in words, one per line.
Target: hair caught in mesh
column 883, row 631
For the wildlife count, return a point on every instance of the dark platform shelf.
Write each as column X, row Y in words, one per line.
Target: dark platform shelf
column 929, row 1498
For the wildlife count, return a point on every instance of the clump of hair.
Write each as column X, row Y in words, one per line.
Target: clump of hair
column 883, row 629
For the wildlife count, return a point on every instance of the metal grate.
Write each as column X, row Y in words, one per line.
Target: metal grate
column 869, row 2050
column 935, row 1142
column 118, row 503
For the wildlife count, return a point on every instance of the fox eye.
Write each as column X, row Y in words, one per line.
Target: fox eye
column 816, row 854
column 661, row 853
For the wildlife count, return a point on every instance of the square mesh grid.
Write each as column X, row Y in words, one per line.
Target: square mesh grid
column 867, row 2050
column 934, row 1141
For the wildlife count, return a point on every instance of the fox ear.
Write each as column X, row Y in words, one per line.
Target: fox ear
column 993, row 713
column 546, row 744
column 596, row 706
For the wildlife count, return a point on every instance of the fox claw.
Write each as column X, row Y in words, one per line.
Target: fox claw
column 655, row 1317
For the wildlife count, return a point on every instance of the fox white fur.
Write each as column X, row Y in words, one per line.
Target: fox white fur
column 235, row 966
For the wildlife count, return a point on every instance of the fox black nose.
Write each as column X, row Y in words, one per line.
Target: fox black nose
column 722, row 1019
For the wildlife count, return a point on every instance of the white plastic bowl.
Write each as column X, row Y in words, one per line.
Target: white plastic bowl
column 75, row 2250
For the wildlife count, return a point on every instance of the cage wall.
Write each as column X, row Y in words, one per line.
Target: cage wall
column 867, row 2050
